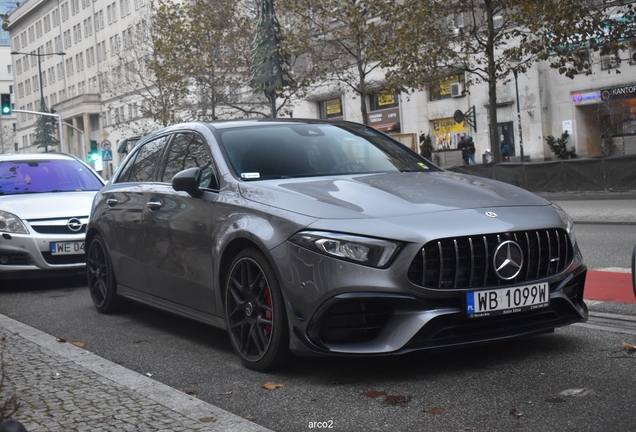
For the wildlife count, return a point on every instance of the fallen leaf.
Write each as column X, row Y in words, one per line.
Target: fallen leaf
column 555, row 400
column 225, row 394
column 373, row 394
column 629, row 348
column 396, row 400
column 77, row 344
column 516, row 414
column 272, row 386
column 137, row 341
column 207, row 420
column 436, row 410
column 577, row 392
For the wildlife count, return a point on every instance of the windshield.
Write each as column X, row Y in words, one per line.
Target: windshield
column 301, row 150
column 38, row 176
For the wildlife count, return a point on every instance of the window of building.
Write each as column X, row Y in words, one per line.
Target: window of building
column 451, row 86
column 10, row 69
column 331, row 109
column 383, row 100
column 64, row 11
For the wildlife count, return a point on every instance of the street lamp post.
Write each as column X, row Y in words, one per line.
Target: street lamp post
column 38, row 55
column 514, row 71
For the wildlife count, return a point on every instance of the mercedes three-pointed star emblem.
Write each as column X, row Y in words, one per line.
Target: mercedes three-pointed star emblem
column 508, row 260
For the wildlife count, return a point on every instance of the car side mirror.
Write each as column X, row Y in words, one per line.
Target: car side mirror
column 188, row 181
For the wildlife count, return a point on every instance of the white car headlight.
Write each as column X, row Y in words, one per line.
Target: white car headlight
column 362, row 250
column 10, row 223
column 567, row 221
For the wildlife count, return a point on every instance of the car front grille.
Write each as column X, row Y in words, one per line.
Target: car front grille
column 56, row 229
column 351, row 321
column 63, row 259
column 468, row 262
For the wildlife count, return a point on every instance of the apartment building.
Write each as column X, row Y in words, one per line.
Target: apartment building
column 63, row 51
column 7, row 122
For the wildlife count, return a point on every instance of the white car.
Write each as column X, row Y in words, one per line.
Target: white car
column 45, row 200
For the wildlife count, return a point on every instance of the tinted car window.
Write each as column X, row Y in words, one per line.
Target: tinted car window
column 146, row 161
column 298, row 150
column 189, row 150
column 35, row 176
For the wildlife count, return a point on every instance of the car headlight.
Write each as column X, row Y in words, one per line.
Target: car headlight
column 362, row 250
column 567, row 221
column 10, row 223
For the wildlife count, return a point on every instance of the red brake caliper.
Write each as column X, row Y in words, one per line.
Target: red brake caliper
column 268, row 314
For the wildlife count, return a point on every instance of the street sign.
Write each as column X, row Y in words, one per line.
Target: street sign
column 107, row 155
column 106, row 144
column 105, row 134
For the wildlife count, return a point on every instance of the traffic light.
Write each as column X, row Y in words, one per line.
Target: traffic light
column 94, row 154
column 5, row 103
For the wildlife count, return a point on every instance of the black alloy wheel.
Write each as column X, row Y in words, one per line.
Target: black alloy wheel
column 255, row 312
column 101, row 279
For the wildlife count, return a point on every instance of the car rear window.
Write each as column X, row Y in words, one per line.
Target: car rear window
column 40, row 176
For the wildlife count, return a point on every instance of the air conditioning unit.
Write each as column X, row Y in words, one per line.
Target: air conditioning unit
column 457, row 90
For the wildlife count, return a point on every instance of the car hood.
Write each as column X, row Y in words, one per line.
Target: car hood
column 386, row 195
column 48, row 205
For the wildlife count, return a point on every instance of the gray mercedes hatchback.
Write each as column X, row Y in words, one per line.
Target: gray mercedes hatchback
column 319, row 238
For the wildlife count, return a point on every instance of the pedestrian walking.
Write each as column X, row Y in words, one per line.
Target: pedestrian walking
column 471, row 150
column 464, row 146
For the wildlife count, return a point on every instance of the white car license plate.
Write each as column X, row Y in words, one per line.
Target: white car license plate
column 507, row 300
column 67, row 248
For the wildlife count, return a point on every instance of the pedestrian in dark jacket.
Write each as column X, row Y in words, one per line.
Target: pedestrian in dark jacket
column 464, row 146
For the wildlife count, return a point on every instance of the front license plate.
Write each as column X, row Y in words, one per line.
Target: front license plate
column 507, row 300
column 67, row 248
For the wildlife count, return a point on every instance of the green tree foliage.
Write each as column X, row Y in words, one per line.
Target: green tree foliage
column 335, row 38
column 270, row 63
column 484, row 39
column 559, row 146
column 45, row 129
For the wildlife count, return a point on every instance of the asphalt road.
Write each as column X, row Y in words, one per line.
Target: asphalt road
column 576, row 379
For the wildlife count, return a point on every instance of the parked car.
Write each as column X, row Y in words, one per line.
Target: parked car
column 45, row 199
column 313, row 237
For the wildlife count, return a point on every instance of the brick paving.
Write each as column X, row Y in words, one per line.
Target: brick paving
column 62, row 388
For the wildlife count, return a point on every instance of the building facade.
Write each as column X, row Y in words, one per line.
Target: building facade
column 69, row 46
column 598, row 110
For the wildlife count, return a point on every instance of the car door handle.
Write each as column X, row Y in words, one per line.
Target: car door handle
column 112, row 202
column 154, row 204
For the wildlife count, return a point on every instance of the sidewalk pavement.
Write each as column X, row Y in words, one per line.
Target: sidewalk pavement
column 63, row 387
column 597, row 207
column 66, row 388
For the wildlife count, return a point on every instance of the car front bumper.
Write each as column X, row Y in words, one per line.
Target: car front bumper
column 340, row 308
column 23, row 255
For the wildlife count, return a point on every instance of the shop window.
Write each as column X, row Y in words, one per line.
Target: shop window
column 331, row 109
column 383, row 100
